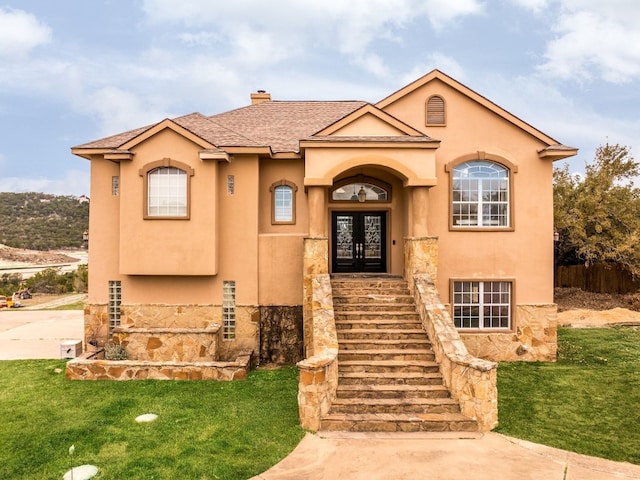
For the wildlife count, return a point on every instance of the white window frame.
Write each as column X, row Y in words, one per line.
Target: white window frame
column 283, row 202
column 482, row 304
column 475, row 184
column 167, row 190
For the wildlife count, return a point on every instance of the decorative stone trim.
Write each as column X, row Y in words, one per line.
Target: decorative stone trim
column 420, row 256
column 472, row 381
column 318, row 381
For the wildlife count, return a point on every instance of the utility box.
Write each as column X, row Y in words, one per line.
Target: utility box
column 70, row 348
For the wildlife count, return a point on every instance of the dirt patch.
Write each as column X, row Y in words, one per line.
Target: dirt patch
column 575, row 298
column 19, row 256
column 580, row 309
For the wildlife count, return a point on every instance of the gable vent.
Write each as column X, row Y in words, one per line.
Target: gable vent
column 435, row 110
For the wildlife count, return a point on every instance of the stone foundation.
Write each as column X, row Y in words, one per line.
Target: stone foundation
column 189, row 320
column 533, row 339
column 281, row 334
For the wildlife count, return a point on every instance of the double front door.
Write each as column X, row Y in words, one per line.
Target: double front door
column 359, row 241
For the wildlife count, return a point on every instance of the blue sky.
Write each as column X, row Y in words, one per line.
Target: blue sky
column 72, row 71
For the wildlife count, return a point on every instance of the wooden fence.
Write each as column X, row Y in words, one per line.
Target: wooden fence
column 600, row 278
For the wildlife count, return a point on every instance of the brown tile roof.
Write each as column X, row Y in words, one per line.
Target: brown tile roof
column 281, row 125
column 278, row 125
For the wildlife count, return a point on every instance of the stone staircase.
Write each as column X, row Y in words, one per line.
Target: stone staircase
column 388, row 379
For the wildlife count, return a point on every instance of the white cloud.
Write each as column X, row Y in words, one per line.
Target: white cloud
column 21, row 32
column 288, row 29
column 596, row 39
column 535, row 6
column 74, row 182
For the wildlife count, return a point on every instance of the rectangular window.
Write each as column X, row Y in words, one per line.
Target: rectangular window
column 115, row 185
column 482, row 305
column 228, row 309
column 115, row 299
column 167, row 193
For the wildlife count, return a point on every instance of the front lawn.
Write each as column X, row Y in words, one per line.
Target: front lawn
column 204, row 430
column 588, row 402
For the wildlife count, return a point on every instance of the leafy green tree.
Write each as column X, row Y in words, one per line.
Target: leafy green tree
column 598, row 216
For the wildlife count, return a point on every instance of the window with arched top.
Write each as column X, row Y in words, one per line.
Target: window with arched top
column 436, row 110
column 361, row 189
column 166, row 189
column 481, row 195
column 283, row 202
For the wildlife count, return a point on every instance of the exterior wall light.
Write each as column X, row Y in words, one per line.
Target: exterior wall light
column 362, row 195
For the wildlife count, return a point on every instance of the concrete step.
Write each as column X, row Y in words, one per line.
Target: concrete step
column 405, row 314
column 409, row 334
column 389, row 378
column 388, row 366
column 392, row 391
column 363, row 344
column 388, row 354
column 385, row 422
column 394, row 405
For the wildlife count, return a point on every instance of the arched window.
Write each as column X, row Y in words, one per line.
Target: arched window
column 283, row 204
column 167, row 189
column 435, row 110
column 360, row 189
column 480, row 195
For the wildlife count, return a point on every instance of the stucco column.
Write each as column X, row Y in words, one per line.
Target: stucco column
column 419, row 212
column 317, row 212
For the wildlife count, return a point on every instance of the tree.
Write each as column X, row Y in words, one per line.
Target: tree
column 598, row 216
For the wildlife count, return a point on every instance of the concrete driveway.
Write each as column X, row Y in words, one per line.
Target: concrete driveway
column 34, row 334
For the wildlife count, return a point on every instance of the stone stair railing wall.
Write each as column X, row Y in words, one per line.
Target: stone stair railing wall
column 472, row 381
column 388, row 377
column 318, row 380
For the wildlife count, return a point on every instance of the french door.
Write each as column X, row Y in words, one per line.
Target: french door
column 359, row 241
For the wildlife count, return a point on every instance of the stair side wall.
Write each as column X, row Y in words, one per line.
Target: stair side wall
column 472, row 381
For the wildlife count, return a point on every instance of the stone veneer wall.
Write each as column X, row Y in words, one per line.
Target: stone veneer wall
column 169, row 344
column 318, row 381
column 90, row 366
column 176, row 317
column 534, row 337
column 316, row 262
column 472, row 381
column 420, row 256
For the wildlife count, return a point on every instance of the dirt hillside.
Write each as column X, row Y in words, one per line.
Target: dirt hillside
column 19, row 256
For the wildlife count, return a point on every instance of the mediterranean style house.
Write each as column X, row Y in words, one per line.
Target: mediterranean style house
column 202, row 221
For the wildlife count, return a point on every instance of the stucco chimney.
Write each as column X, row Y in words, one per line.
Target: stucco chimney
column 260, row 96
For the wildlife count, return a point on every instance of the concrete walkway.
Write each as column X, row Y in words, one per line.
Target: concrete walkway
column 37, row 334
column 408, row 456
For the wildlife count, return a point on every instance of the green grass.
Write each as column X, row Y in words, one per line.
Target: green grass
column 588, row 402
column 69, row 306
column 205, row 430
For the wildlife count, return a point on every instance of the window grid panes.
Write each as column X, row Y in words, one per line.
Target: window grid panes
column 283, row 204
column 480, row 195
column 115, row 300
column 167, row 190
column 229, row 309
column 480, row 305
column 115, row 185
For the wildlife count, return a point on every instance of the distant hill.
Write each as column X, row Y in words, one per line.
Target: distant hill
column 39, row 221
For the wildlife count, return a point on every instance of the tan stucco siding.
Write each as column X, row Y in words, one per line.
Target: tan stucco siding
column 238, row 228
column 524, row 254
column 280, row 269
column 185, row 246
column 104, row 230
